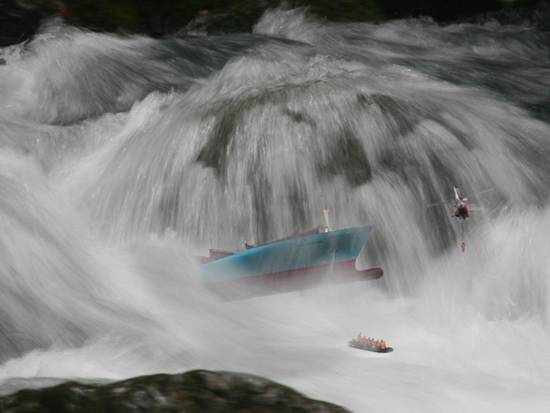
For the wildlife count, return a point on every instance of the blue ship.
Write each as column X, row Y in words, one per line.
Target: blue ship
column 303, row 260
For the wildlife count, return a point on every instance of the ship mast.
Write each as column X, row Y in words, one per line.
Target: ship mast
column 327, row 221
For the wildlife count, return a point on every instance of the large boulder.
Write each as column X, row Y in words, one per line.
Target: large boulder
column 197, row 391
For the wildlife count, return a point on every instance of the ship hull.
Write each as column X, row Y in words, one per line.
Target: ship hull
column 293, row 280
column 292, row 264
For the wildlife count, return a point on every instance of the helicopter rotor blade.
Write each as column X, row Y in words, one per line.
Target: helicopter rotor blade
column 485, row 191
column 439, row 204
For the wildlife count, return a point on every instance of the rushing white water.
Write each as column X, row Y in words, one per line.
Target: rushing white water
column 119, row 157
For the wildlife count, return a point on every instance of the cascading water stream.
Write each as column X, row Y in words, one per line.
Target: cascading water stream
column 121, row 156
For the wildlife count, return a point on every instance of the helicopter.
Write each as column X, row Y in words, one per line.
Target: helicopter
column 461, row 207
column 461, row 211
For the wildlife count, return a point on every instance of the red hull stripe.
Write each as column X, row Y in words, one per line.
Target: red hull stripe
column 344, row 268
column 293, row 280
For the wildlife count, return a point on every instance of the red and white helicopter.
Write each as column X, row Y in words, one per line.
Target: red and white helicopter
column 461, row 211
column 461, row 208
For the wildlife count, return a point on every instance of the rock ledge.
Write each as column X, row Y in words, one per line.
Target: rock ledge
column 197, row 391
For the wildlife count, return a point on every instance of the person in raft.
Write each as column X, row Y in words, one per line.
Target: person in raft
column 371, row 343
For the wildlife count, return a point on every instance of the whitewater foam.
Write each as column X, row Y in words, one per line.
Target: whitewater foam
column 121, row 157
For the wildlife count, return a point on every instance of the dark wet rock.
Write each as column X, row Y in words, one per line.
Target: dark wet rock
column 20, row 19
column 299, row 117
column 364, row 100
column 348, row 158
column 214, row 153
column 197, row 391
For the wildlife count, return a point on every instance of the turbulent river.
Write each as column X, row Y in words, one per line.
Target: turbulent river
column 123, row 157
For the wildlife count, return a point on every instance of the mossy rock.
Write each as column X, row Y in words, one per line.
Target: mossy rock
column 197, row 391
